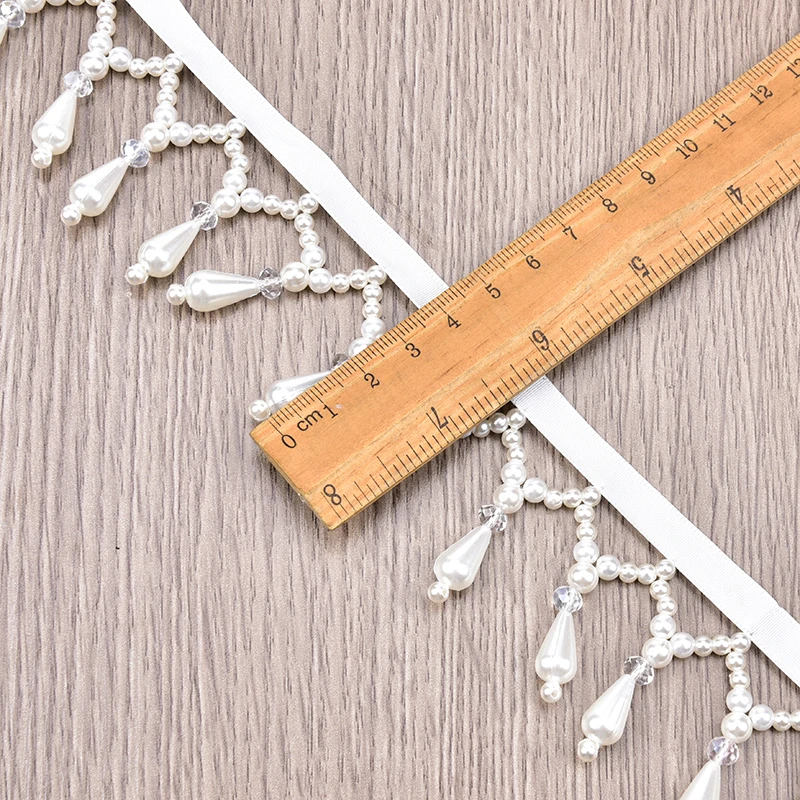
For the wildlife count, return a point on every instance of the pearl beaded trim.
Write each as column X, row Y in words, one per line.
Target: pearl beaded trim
column 557, row 662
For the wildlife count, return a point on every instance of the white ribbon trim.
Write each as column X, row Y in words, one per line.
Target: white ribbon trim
column 749, row 606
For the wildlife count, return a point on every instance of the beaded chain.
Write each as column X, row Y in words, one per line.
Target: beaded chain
column 456, row 568
column 557, row 662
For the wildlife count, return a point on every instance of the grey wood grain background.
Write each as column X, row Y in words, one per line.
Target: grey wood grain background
column 175, row 624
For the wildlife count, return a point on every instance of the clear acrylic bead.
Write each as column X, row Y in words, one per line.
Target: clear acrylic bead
column 13, row 13
column 79, row 83
column 565, row 598
column 204, row 212
column 135, row 153
column 639, row 669
column 273, row 285
column 493, row 517
column 723, row 751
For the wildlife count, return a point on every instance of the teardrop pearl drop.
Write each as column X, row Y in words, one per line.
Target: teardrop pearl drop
column 458, row 566
column 557, row 659
column 161, row 255
column 94, row 191
column 706, row 785
column 54, row 129
column 207, row 290
column 284, row 391
column 604, row 721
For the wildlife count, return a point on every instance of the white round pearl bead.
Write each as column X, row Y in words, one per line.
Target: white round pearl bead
column 259, row 410
column 165, row 114
column 101, row 42
column 781, row 721
column 372, row 292
column 586, row 530
column 241, row 162
column 591, row 496
column 508, row 498
column 308, row 203
column 682, row 645
column 233, row 147
column 628, row 573
column 176, row 294
column 137, row 68
column 181, row 134
column 252, row 200
column 373, row 327
column 658, row 589
column 511, row 438
column 289, row 209
column 119, row 59
column 236, row 128
column 155, row 66
column 226, row 203
column 588, row 750
column 313, row 257
column 155, row 137
column 42, row 157
column 740, row 642
column 583, row 577
column 372, row 308
column 663, row 626
column 358, row 279
column 516, row 454
column 667, row 605
column 795, row 720
column 665, row 569
column 481, row 430
column 94, row 65
column 534, row 489
column 647, row 574
column 294, row 277
column 658, row 652
column 761, row 716
column 735, row 660
column 739, row 699
column 721, row 645
column 739, row 678
column 71, row 215
column 272, row 205
column 167, row 96
column 498, row 423
column 169, row 81
column 703, row 646
column 320, row 280
column 136, row 274
column 235, row 179
column 586, row 551
column 608, row 568
column 438, row 592
column 737, row 727
column 376, row 274
column 571, row 498
column 551, row 692
column 583, row 513
column 201, row 133
column 513, row 472
column 516, row 419
column 341, row 283
column 173, row 63
column 219, row 133
column 553, row 500
column 303, row 222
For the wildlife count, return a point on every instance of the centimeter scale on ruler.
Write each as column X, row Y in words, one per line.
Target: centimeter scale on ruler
column 462, row 356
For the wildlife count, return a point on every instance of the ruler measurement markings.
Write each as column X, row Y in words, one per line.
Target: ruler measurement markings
column 557, row 250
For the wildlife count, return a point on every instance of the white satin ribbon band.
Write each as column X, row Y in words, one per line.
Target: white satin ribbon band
column 750, row 607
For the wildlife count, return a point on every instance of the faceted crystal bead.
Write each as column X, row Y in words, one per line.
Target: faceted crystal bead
column 13, row 13
column 565, row 598
column 723, row 751
column 135, row 153
column 640, row 669
column 273, row 285
column 204, row 212
column 492, row 516
column 80, row 85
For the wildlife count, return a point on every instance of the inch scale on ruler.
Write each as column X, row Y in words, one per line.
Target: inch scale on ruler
column 462, row 356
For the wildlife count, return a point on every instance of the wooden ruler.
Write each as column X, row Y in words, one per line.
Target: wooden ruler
column 433, row 377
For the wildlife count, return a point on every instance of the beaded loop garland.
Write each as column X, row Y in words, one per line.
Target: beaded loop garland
column 456, row 568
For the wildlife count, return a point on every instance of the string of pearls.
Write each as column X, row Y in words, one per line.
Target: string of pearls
column 556, row 661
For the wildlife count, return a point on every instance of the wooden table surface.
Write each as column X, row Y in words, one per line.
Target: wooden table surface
column 175, row 624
